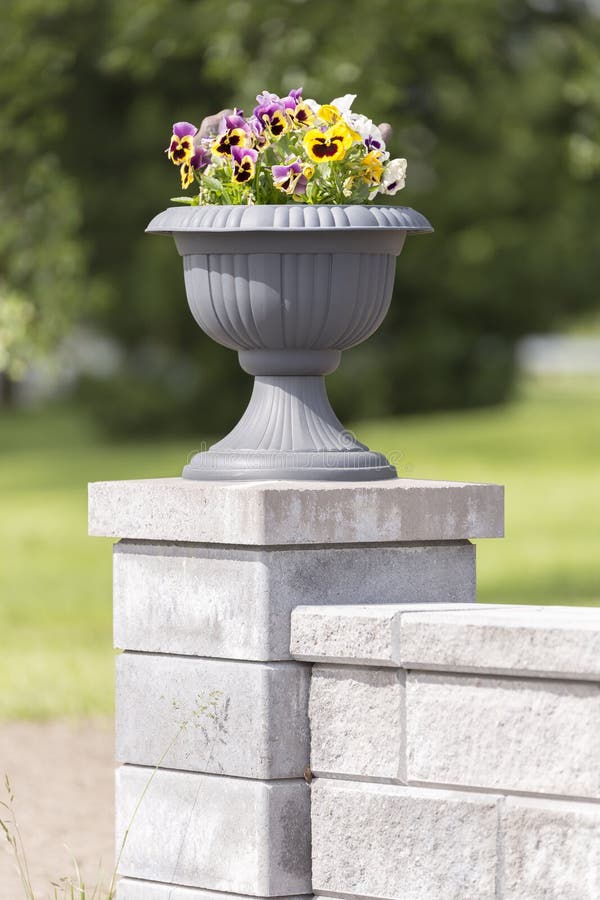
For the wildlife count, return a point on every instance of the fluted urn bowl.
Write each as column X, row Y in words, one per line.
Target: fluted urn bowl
column 289, row 288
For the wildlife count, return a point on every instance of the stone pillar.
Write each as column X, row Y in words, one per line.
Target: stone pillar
column 206, row 575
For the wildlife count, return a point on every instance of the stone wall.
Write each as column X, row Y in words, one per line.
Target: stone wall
column 206, row 576
column 455, row 751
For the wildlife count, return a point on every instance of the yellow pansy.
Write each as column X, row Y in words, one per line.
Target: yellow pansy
column 330, row 145
column 371, row 168
column 330, row 113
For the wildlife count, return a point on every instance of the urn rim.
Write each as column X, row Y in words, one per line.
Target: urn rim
column 285, row 218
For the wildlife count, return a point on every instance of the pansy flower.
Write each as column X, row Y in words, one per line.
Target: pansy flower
column 235, row 120
column 277, row 122
column 394, row 177
column 290, row 178
column 371, row 143
column 181, row 146
column 274, row 118
column 272, row 112
column 233, row 137
column 244, row 163
column 293, row 98
column 298, row 111
column 344, row 104
column 301, row 115
column 330, row 113
column 330, row 145
column 199, row 160
column 264, row 99
column 371, row 168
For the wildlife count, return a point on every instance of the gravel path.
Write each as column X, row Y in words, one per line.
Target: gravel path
column 62, row 777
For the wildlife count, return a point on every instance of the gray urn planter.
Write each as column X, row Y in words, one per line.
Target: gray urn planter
column 289, row 288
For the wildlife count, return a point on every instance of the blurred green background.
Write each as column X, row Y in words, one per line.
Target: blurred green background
column 103, row 375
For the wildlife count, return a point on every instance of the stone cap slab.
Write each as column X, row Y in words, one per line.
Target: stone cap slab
column 271, row 513
column 540, row 641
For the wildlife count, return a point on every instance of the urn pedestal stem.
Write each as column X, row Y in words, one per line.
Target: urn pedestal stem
column 290, row 431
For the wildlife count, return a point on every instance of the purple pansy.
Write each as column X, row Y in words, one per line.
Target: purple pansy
column 236, row 120
column 201, row 157
column 265, row 98
column 293, row 99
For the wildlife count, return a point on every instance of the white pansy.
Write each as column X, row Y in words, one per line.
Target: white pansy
column 366, row 128
column 344, row 104
column 312, row 105
column 394, row 177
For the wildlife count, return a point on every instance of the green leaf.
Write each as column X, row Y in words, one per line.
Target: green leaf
column 213, row 184
column 187, row 201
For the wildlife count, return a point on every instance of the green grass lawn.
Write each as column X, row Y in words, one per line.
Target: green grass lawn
column 55, row 582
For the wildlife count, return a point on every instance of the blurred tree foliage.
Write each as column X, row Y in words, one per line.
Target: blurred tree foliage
column 495, row 103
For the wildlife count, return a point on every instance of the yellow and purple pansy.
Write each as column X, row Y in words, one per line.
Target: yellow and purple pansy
column 234, row 132
column 244, row 163
column 299, row 112
column 302, row 115
column 290, row 178
column 272, row 112
column 200, row 159
column 181, row 145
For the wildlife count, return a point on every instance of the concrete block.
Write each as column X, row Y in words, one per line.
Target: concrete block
column 358, row 634
column 550, row 850
column 540, row 641
column 399, row 843
column 214, row 832
column 270, row 513
column 246, row 719
column 504, row 733
column 237, row 603
column 357, row 721
column 129, row 889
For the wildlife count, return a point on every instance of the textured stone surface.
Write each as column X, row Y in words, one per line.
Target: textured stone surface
column 283, row 512
column 152, row 890
column 215, row 832
column 550, row 850
column 359, row 634
column 519, row 640
column 504, row 733
column 401, row 843
column 356, row 721
column 237, row 603
column 247, row 719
